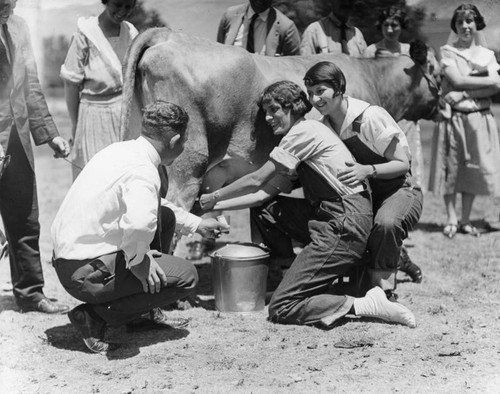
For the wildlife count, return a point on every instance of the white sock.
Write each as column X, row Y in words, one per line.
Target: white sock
column 375, row 304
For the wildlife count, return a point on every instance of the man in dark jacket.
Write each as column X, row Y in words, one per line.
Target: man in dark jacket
column 259, row 28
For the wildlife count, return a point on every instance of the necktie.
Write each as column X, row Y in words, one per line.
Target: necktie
column 5, row 66
column 162, row 170
column 158, row 243
column 250, row 41
column 343, row 38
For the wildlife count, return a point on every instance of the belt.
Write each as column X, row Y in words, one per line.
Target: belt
column 461, row 111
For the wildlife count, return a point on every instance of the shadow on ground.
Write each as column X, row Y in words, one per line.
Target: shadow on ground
column 482, row 225
column 7, row 303
column 130, row 341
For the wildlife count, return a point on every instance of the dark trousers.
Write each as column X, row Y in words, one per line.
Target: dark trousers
column 338, row 234
column 394, row 217
column 19, row 210
column 114, row 293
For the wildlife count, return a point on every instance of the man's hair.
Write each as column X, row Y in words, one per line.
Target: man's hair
column 161, row 120
column 466, row 9
column 289, row 95
column 392, row 12
column 326, row 72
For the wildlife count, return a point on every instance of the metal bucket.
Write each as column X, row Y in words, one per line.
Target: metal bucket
column 239, row 275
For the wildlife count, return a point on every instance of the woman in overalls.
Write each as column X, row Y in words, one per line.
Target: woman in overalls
column 383, row 157
column 336, row 218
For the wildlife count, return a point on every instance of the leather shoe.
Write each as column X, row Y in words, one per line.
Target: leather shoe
column 91, row 328
column 158, row 319
column 45, row 305
column 409, row 267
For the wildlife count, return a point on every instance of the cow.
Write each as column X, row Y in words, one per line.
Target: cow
column 219, row 86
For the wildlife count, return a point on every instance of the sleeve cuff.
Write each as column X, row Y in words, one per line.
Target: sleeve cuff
column 284, row 158
column 70, row 76
column 185, row 223
column 190, row 225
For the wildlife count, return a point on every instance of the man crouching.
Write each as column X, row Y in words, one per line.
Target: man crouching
column 104, row 228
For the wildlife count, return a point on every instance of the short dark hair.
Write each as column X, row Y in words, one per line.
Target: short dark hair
column 392, row 12
column 161, row 120
column 326, row 72
column 289, row 95
column 466, row 8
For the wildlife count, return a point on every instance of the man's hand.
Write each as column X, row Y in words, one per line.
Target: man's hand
column 150, row 273
column 60, row 147
column 354, row 174
column 211, row 228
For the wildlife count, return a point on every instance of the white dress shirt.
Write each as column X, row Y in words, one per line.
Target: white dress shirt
column 112, row 205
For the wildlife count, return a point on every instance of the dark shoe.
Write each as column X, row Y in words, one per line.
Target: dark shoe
column 91, row 328
column 45, row 305
column 409, row 267
column 158, row 319
column 469, row 229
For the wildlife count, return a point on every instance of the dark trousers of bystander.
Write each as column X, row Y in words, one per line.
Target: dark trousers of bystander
column 19, row 210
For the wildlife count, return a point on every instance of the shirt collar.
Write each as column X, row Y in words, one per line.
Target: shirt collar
column 150, row 150
column 262, row 16
column 354, row 108
column 336, row 21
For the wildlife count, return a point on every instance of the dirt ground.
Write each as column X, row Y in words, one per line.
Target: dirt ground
column 454, row 349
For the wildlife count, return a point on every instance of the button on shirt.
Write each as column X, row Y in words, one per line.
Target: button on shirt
column 313, row 142
column 259, row 34
column 112, row 205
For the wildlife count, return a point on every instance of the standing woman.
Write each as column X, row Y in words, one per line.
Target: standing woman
column 470, row 152
column 92, row 74
column 381, row 149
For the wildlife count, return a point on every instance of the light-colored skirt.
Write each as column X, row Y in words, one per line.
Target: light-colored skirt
column 98, row 126
column 466, row 155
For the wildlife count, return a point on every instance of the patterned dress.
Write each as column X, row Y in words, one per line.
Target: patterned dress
column 94, row 63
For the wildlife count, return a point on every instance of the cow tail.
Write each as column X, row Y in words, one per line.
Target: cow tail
column 134, row 54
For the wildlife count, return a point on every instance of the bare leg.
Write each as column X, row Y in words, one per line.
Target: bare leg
column 450, row 202
column 467, row 201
